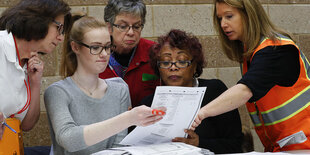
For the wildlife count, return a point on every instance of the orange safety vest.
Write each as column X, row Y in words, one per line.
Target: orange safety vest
column 282, row 117
column 12, row 143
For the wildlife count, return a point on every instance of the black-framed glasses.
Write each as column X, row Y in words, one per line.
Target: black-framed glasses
column 97, row 49
column 179, row 64
column 126, row 28
column 60, row 28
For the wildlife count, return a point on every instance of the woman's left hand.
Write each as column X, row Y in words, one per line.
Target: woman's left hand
column 197, row 121
column 192, row 138
column 35, row 68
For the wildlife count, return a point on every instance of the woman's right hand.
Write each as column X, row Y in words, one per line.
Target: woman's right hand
column 142, row 116
column 197, row 120
column 1, row 125
column 35, row 69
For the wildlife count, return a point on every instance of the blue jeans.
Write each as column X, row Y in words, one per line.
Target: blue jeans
column 37, row 150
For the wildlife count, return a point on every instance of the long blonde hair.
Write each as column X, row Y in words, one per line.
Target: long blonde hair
column 79, row 26
column 256, row 24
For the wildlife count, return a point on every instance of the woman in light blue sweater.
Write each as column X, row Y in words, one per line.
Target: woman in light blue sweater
column 85, row 111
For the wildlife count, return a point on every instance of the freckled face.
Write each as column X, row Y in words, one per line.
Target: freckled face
column 94, row 63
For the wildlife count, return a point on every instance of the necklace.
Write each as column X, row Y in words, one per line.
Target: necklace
column 90, row 92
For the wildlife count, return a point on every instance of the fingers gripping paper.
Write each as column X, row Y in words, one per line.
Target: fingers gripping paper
column 182, row 104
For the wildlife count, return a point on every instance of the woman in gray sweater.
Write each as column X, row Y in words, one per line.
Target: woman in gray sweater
column 85, row 111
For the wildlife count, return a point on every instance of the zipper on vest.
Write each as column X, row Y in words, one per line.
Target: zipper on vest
column 263, row 125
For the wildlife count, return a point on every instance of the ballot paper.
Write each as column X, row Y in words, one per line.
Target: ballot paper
column 182, row 104
column 175, row 148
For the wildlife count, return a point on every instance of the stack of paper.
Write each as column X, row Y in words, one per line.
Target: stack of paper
column 182, row 104
column 157, row 149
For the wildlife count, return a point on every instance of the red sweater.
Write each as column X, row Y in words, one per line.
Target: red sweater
column 138, row 66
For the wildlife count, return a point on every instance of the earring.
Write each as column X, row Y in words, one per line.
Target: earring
column 195, row 82
column 196, row 75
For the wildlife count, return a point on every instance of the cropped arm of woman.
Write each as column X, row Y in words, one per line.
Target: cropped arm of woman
column 35, row 72
column 222, row 133
column 231, row 99
column 136, row 116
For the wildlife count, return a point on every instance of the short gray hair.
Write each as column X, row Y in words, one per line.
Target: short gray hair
column 116, row 7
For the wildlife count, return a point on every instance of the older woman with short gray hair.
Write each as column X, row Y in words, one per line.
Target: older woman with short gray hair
column 116, row 7
column 125, row 20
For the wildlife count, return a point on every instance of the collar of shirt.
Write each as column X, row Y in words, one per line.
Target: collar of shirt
column 7, row 39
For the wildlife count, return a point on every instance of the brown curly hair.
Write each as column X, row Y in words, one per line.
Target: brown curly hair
column 181, row 40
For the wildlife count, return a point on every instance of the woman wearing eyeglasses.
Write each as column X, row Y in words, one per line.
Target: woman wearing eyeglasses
column 86, row 113
column 28, row 29
column 178, row 60
column 126, row 19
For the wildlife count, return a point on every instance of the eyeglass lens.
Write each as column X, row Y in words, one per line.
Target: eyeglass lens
column 98, row 49
column 60, row 28
column 125, row 28
column 179, row 64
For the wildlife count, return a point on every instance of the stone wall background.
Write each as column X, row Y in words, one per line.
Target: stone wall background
column 194, row 16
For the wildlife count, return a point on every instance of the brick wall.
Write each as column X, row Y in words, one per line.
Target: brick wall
column 194, row 16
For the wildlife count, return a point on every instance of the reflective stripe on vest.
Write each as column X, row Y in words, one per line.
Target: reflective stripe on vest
column 292, row 106
column 285, row 111
column 306, row 63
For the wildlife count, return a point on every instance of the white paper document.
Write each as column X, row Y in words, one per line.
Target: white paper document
column 182, row 103
column 157, row 149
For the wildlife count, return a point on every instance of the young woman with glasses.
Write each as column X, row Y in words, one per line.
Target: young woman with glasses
column 86, row 113
column 178, row 60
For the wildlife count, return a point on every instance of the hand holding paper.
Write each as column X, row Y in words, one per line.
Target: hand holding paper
column 182, row 105
column 192, row 138
column 159, row 112
column 144, row 116
column 197, row 121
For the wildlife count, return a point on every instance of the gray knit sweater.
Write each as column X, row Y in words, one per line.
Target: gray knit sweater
column 69, row 109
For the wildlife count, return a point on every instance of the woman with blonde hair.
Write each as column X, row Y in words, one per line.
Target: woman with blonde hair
column 275, row 84
column 85, row 111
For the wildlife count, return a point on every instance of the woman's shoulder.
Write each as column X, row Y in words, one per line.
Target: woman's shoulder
column 65, row 84
column 7, row 45
column 116, row 83
column 277, row 49
column 116, row 87
column 215, row 87
column 60, row 90
column 6, row 38
column 210, row 82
